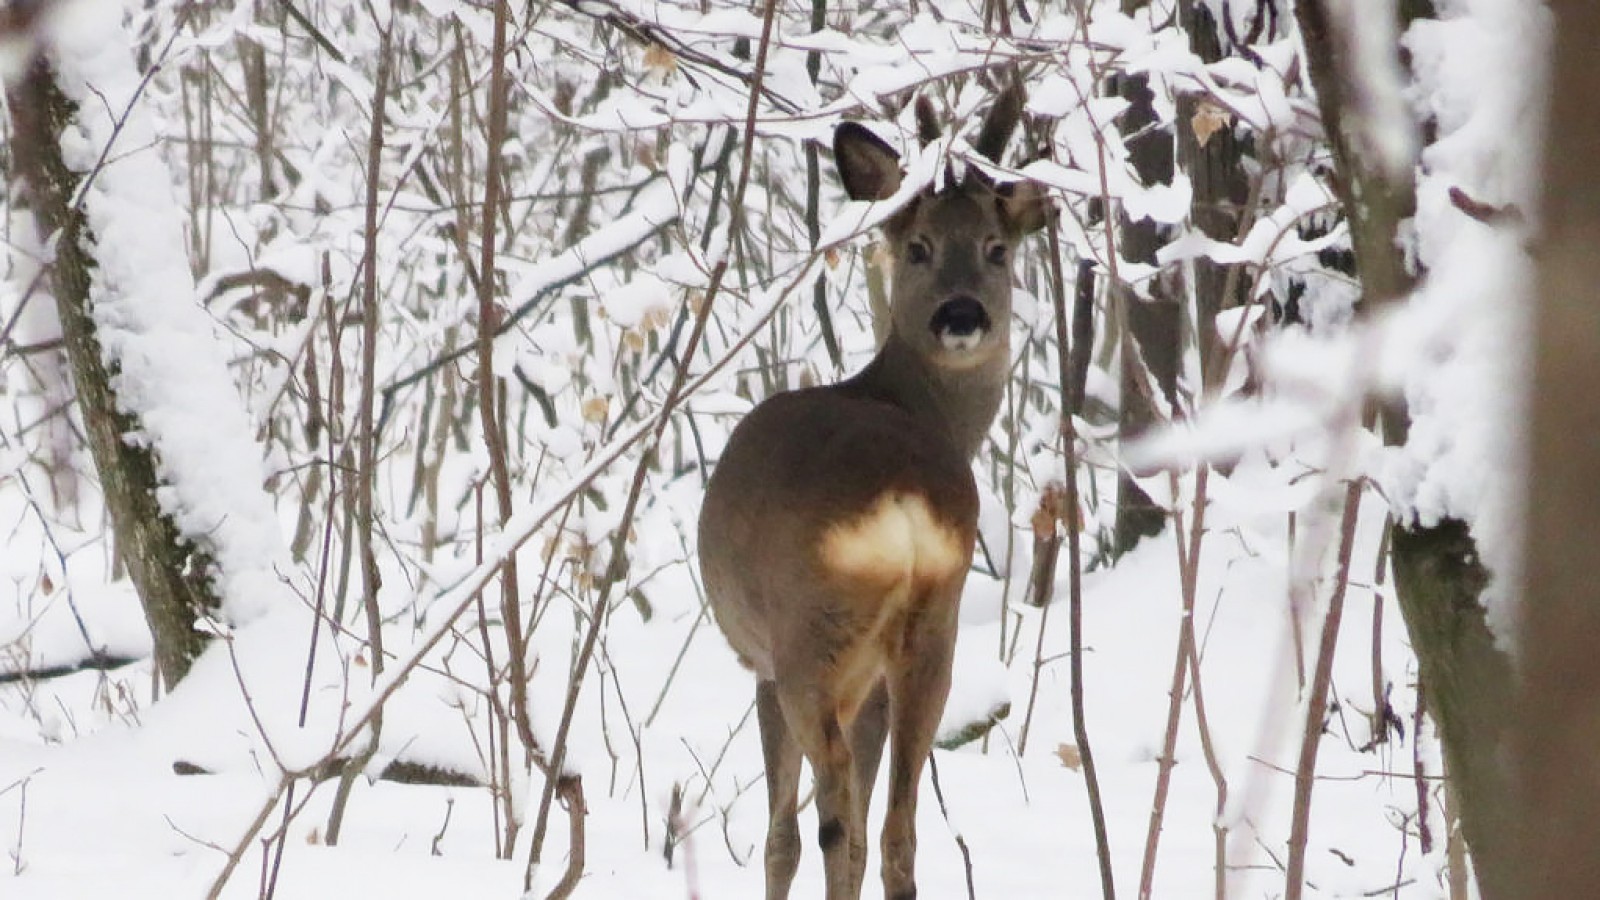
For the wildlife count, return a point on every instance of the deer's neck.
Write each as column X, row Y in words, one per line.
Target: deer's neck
column 959, row 402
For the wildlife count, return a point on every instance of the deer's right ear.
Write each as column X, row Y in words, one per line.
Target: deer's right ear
column 869, row 168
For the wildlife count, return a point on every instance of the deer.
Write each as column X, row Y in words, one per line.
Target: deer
column 839, row 524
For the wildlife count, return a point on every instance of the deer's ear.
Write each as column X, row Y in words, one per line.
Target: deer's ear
column 1026, row 206
column 869, row 168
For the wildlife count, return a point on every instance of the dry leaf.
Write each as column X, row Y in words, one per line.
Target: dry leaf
column 595, row 409
column 1069, row 756
column 657, row 317
column 645, row 155
column 659, row 61
column 1209, row 119
column 314, row 837
column 831, row 257
column 634, row 340
column 1048, row 512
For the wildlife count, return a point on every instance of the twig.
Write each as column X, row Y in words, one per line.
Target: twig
column 619, row 542
column 1072, row 392
column 366, row 435
column 22, row 821
column 245, row 840
column 490, row 411
column 961, row 841
column 1317, row 704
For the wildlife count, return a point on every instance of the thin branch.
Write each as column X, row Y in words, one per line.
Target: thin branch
column 1317, row 704
column 619, row 542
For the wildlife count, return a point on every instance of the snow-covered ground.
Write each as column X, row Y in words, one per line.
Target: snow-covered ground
column 99, row 809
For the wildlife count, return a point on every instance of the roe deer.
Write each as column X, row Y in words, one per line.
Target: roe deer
column 839, row 524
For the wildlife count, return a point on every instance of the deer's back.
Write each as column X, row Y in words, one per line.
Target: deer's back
column 825, row 507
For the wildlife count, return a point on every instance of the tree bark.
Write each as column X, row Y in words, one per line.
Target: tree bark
column 1557, row 741
column 1221, row 190
column 1151, row 330
column 169, row 573
column 1438, row 579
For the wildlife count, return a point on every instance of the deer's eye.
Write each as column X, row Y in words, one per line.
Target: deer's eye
column 918, row 251
column 995, row 253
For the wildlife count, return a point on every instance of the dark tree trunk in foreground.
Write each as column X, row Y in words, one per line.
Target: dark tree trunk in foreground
column 1438, row 579
column 167, row 571
column 1557, row 742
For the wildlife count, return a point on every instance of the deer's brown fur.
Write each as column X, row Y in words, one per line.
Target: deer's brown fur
column 839, row 524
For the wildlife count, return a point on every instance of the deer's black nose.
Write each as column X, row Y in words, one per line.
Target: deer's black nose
column 959, row 317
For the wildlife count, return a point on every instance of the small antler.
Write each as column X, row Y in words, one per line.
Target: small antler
column 999, row 123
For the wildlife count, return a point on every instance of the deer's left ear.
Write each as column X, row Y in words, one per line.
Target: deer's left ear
column 869, row 168
column 1025, row 206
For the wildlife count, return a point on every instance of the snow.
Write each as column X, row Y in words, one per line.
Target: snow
column 1462, row 338
column 1024, row 818
column 90, row 801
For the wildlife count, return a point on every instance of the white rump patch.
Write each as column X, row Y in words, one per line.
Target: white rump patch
column 898, row 538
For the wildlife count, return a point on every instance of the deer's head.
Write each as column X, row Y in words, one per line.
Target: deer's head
column 952, row 247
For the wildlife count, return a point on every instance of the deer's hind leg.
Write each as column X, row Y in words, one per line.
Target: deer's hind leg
column 867, row 734
column 781, row 753
column 814, row 718
column 919, row 684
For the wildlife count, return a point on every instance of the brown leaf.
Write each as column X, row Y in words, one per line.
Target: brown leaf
column 1209, row 119
column 645, row 155
column 1054, row 508
column 656, row 317
column 595, row 409
column 1069, row 756
column 659, row 61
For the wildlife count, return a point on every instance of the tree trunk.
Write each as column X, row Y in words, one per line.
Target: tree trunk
column 1557, row 742
column 170, row 574
column 1438, row 579
column 1221, row 191
column 1151, row 329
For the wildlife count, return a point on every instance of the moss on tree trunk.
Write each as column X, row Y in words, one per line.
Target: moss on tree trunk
column 1439, row 580
column 169, row 573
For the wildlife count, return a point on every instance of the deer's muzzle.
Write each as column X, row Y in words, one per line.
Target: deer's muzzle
column 960, row 323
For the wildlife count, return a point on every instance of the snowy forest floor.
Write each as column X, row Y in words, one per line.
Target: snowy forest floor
column 90, row 804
